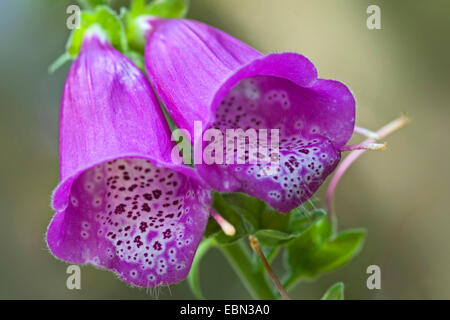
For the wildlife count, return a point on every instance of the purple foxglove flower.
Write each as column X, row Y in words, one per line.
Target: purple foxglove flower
column 203, row 74
column 122, row 204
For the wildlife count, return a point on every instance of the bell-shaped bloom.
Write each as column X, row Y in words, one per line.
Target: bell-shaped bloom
column 122, row 204
column 203, row 74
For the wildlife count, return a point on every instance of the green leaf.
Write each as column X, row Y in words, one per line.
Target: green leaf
column 335, row 292
column 250, row 215
column 316, row 251
column 193, row 277
column 107, row 21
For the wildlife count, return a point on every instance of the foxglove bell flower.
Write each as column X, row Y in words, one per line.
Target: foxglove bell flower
column 122, row 204
column 203, row 74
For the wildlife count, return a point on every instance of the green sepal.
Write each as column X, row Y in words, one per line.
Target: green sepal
column 109, row 23
column 168, row 8
column 59, row 62
column 137, row 58
column 139, row 10
column 159, row 8
column 90, row 4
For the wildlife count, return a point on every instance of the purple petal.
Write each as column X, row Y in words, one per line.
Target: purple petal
column 203, row 74
column 306, row 157
column 187, row 61
column 121, row 204
column 134, row 218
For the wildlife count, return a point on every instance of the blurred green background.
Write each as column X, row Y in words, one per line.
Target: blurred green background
column 399, row 195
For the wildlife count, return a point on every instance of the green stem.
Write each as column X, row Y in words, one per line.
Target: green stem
column 252, row 278
column 194, row 275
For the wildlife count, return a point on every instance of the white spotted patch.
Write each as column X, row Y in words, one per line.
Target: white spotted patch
column 291, row 173
column 84, row 234
column 74, row 201
column 138, row 215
